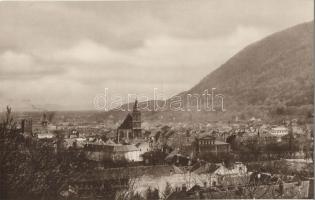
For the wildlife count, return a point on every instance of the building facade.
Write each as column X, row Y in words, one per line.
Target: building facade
column 279, row 131
column 209, row 144
column 114, row 152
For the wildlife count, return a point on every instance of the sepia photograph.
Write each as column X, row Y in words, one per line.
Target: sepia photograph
column 156, row 99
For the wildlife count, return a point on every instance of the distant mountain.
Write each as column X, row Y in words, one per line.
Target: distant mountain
column 268, row 79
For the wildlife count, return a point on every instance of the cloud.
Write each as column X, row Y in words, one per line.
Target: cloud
column 66, row 52
column 12, row 62
column 188, row 58
column 20, row 66
column 87, row 52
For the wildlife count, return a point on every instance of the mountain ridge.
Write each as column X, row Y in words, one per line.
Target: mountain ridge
column 270, row 78
column 272, row 63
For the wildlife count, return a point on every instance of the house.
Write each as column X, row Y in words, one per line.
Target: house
column 219, row 174
column 209, row 144
column 129, row 152
column 69, row 142
column 181, row 156
column 45, row 135
column 73, row 133
column 131, row 127
column 115, row 152
column 74, row 142
column 289, row 190
column 144, row 147
column 298, row 130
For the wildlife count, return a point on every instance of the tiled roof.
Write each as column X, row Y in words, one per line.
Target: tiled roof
column 125, row 148
column 207, row 168
column 207, row 137
column 127, row 123
column 184, row 151
column 110, row 142
column 45, row 135
column 111, row 147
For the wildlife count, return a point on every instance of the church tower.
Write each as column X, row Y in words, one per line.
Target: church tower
column 131, row 127
column 136, row 121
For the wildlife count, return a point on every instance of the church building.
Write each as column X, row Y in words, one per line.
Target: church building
column 131, row 127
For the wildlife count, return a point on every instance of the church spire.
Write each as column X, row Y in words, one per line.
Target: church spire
column 135, row 106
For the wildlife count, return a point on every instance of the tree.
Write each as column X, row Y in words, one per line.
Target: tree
column 127, row 177
column 167, row 190
column 148, row 193
column 232, row 140
column 152, row 194
column 10, row 157
column 258, row 185
column 136, row 196
column 154, row 157
column 32, row 169
column 226, row 158
column 155, row 194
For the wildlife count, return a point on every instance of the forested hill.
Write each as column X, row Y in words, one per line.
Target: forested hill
column 273, row 76
column 270, row 78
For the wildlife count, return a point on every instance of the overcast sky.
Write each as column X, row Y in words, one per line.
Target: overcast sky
column 61, row 55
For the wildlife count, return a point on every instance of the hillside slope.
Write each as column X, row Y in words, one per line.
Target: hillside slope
column 269, row 78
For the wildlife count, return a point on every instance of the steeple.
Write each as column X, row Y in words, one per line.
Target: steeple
column 135, row 106
column 44, row 120
column 131, row 127
column 136, row 120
